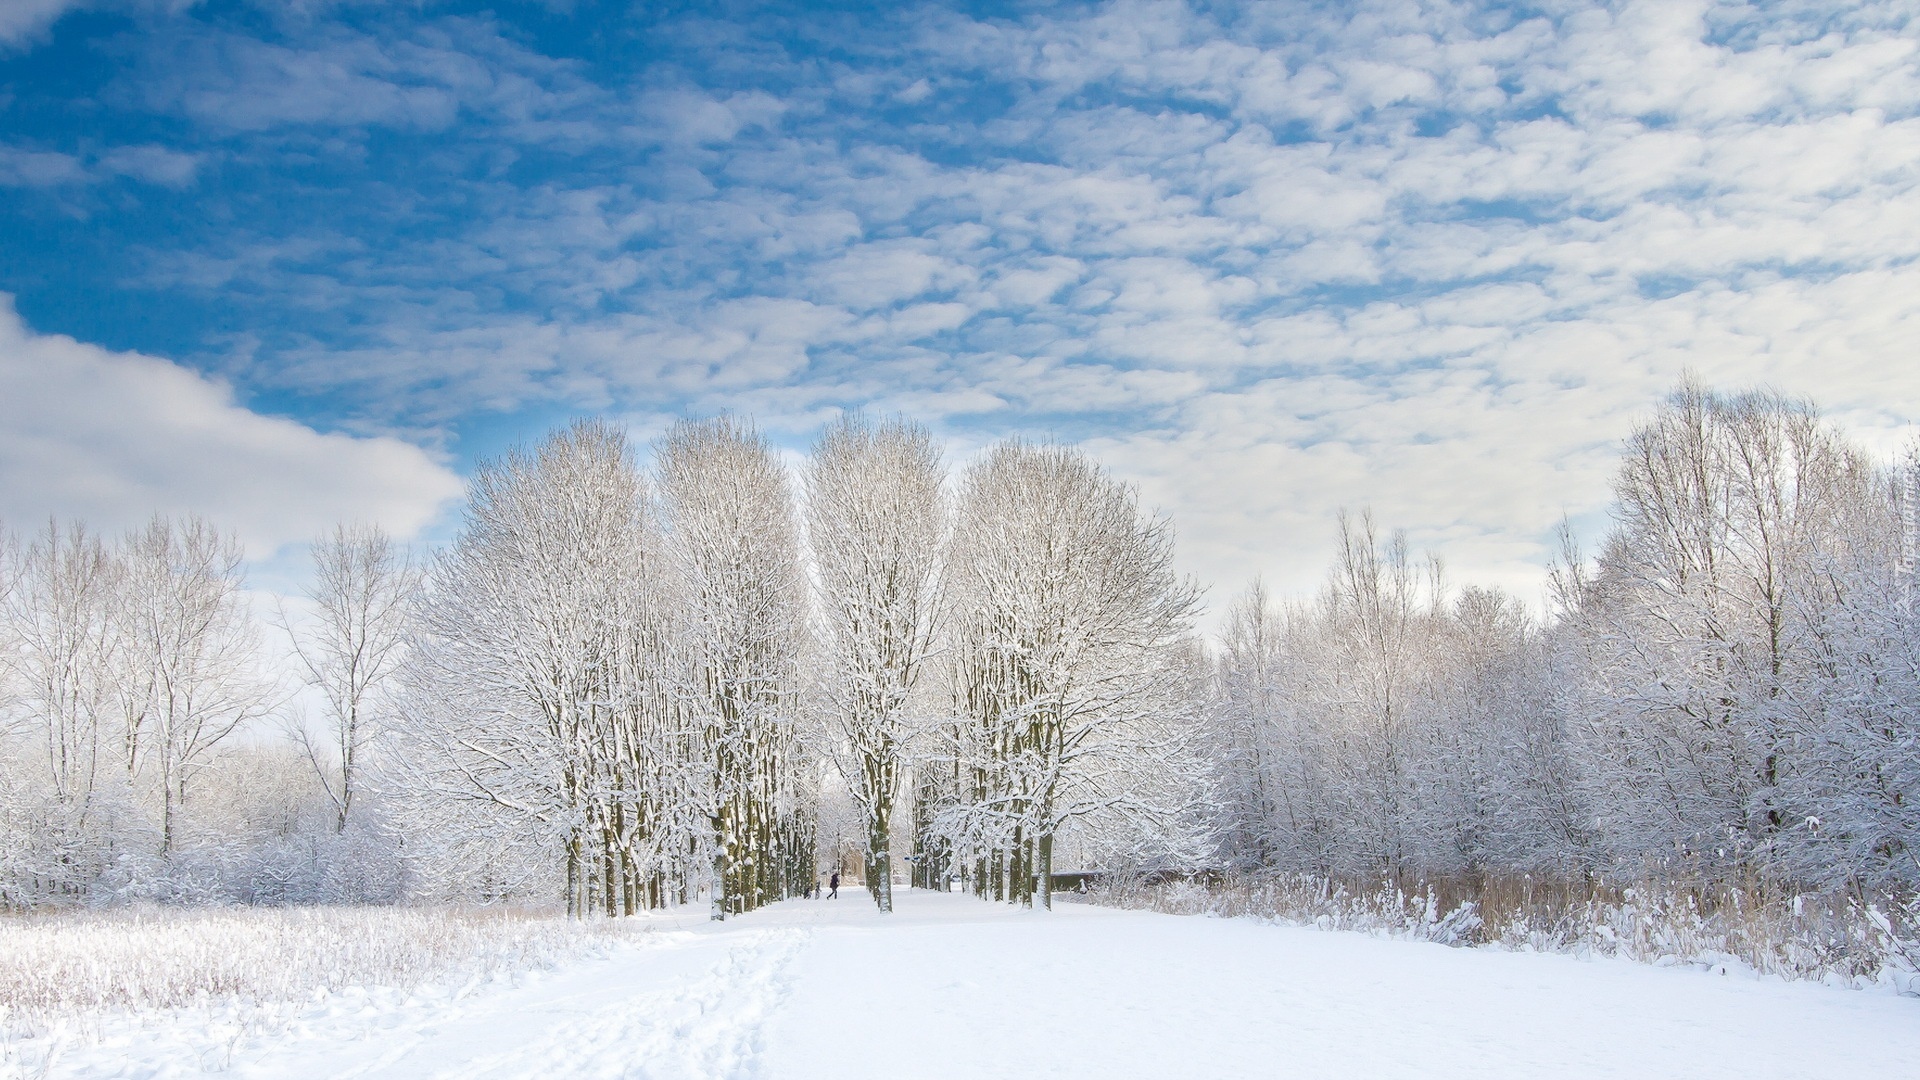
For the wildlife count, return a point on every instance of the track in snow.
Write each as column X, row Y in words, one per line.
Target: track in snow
column 706, row 1028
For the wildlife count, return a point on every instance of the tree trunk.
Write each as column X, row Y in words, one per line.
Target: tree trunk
column 573, row 877
column 717, row 906
column 1046, row 870
column 880, row 857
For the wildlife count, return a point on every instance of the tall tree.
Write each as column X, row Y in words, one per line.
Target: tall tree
column 1731, row 514
column 733, row 541
column 1069, row 643
column 1378, row 616
column 60, row 614
column 876, row 523
column 514, row 699
column 58, row 636
column 191, row 655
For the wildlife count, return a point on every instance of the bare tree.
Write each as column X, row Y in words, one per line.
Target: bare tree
column 57, row 637
column 191, row 655
column 59, row 612
column 1377, row 616
column 349, row 649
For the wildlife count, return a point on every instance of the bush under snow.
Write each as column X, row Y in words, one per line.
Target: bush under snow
column 1839, row 940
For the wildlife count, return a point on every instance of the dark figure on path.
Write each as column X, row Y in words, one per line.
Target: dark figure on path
column 833, row 886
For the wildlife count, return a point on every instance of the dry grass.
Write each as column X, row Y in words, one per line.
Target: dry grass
column 1842, row 940
column 57, row 967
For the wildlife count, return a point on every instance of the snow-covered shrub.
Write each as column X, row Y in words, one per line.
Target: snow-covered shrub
column 1847, row 940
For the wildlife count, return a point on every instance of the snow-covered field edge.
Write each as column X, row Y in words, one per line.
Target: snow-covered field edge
column 67, row 978
column 1844, row 941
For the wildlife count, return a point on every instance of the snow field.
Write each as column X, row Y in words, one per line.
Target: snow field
column 952, row 987
column 70, row 968
column 1099, row 992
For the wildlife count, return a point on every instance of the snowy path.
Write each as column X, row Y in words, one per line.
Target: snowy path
column 951, row 987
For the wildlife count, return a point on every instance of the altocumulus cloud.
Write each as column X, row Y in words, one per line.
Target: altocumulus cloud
column 112, row 437
column 1266, row 260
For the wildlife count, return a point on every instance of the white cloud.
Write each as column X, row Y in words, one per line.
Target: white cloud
column 111, row 438
column 45, row 169
column 331, row 78
column 153, row 164
column 38, row 168
column 21, row 21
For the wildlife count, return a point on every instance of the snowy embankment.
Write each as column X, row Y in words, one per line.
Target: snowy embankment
column 952, row 987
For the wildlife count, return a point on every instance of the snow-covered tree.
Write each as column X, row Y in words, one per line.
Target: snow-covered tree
column 1743, row 523
column 58, row 636
column 190, row 655
column 1068, row 628
column 529, row 621
column 733, row 543
column 1731, row 691
column 59, row 611
column 876, row 523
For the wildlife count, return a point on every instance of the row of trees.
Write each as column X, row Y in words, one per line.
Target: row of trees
column 640, row 678
column 611, row 661
column 657, row 670
column 641, row 684
column 1729, row 692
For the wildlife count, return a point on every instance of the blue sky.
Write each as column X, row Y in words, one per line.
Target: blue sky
column 290, row 262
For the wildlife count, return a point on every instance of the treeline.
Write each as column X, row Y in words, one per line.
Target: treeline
column 146, row 748
column 1728, row 694
column 126, row 663
column 682, row 673
column 623, row 685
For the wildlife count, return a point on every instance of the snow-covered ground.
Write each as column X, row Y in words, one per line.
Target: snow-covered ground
column 952, row 987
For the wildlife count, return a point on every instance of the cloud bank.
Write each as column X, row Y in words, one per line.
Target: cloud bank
column 111, row 438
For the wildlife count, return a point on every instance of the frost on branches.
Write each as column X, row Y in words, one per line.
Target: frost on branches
column 125, row 666
column 1727, row 698
column 1067, row 655
column 687, row 674
column 876, row 527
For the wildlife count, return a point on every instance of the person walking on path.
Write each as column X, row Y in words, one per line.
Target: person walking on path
column 833, row 886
